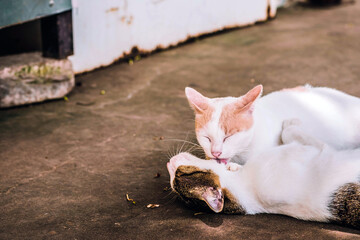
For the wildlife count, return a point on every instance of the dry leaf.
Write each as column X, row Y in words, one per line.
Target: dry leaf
column 158, row 138
column 198, row 213
column 151, row 205
column 130, row 199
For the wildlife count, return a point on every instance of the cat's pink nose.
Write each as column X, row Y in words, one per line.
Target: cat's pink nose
column 216, row 154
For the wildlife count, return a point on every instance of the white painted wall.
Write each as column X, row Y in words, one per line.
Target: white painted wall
column 105, row 30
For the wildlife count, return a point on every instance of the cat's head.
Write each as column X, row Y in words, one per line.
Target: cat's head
column 200, row 188
column 223, row 126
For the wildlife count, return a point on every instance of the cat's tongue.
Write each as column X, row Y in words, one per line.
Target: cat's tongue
column 224, row 161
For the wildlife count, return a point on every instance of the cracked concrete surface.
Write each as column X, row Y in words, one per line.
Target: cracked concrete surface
column 65, row 167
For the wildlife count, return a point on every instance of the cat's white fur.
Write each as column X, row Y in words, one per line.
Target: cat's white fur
column 296, row 179
column 328, row 114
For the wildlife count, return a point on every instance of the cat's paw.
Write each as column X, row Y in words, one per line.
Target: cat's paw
column 291, row 122
column 294, row 132
column 291, row 129
column 183, row 158
column 233, row 167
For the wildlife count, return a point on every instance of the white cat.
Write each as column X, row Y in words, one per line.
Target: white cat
column 234, row 128
column 304, row 178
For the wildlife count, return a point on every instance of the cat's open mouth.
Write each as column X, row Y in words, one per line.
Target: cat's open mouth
column 221, row 160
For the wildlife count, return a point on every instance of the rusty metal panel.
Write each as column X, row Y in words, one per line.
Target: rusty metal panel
column 105, row 31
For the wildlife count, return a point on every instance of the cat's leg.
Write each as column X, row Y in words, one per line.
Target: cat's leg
column 292, row 131
column 188, row 159
column 184, row 158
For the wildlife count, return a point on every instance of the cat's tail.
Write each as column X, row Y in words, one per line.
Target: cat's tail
column 345, row 205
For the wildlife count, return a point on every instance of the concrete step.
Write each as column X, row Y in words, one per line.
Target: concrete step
column 30, row 78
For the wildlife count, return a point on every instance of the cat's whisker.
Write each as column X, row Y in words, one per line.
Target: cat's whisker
column 190, row 150
column 183, row 142
column 171, row 191
column 177, row 150
column 172, row 198
column 180, row 140
column 167, row 154
column 173, row 153
column 170, row 201
column 186, row 146
column 181, row 149
column 173, row 150
column 195, row 149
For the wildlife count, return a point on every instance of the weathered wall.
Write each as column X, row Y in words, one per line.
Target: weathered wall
column 106, row 30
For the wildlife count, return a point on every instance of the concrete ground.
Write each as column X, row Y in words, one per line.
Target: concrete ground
column 66, row 166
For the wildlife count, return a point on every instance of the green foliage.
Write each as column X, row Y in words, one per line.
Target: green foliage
column 39, row 73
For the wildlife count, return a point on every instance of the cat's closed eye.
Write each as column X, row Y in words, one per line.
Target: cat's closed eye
column 207, row 138
column 227, row 137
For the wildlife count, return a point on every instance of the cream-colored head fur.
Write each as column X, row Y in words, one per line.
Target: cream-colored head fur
column 222, row 124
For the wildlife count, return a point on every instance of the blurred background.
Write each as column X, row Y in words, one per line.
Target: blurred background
column 93, row 34
column 101, row 32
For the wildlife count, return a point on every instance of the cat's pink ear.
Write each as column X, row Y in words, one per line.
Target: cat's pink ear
column 246, row 101
column 196, row 100
column 214, row 198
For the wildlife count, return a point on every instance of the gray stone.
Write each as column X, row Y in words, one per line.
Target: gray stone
column 29, row 78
